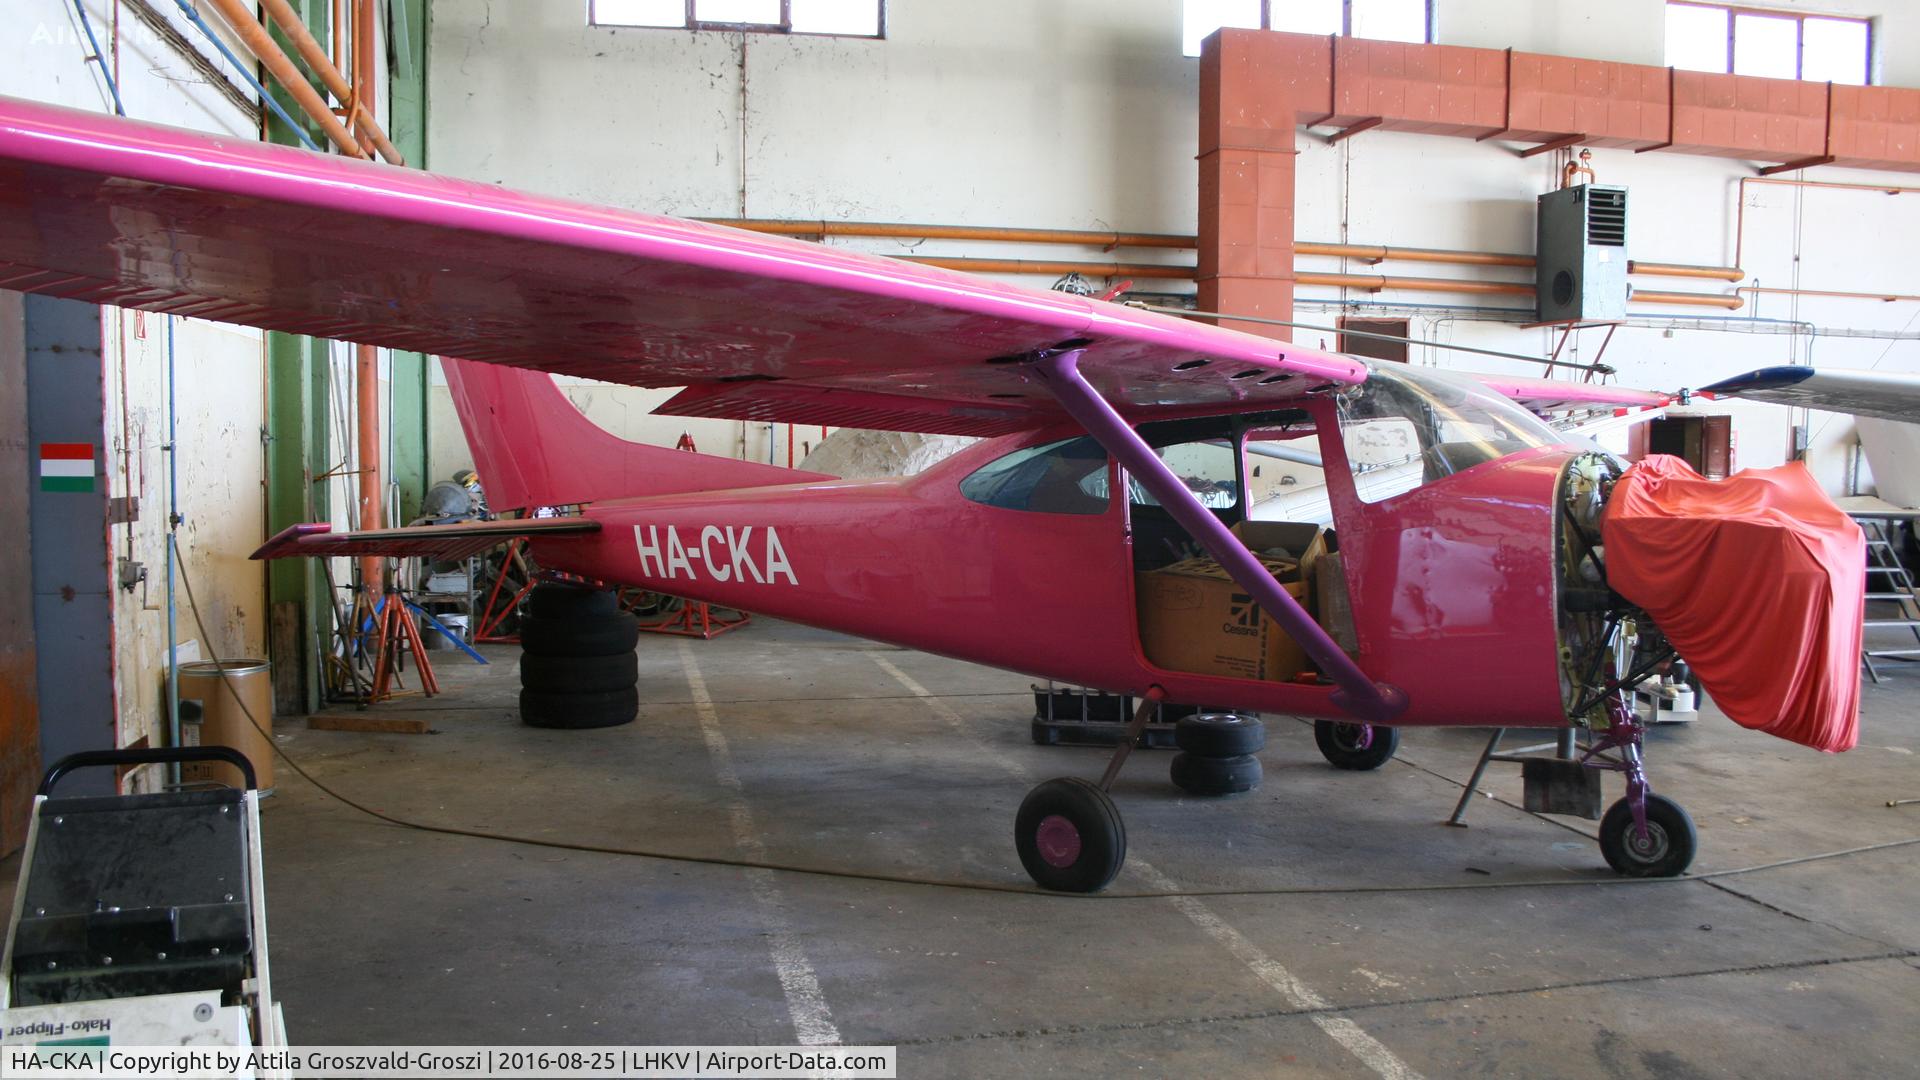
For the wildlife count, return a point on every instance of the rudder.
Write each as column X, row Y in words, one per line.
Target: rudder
column 532, row 447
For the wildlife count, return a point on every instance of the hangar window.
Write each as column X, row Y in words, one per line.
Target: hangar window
column 1065, row 477
column 1382, row 20
column 1776, row 44
column 843, row 18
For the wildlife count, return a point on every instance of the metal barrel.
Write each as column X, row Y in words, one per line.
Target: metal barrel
column 224, row 723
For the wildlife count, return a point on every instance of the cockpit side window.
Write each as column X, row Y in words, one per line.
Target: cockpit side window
column 1205, row 466
column 1286, row 479
column 1065, row 477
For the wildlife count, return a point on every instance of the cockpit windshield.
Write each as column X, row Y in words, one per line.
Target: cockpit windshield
column 1408, row 426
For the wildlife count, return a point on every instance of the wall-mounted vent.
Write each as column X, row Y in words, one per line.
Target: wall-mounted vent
column 1607, row 216
column 1581, row 257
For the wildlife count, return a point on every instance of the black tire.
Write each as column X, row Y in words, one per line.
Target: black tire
column 1070, row 836
column 1212, row 776
column 1220, row 735
column 579, row 674
column 603, row 636
column 1669, row 846
column 596, row 709
column 1340, row 744
column 563, row 601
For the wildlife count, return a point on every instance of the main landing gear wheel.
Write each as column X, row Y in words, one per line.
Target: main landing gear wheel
column 1665, row 851
column 1070, row 836
column 1355, row 746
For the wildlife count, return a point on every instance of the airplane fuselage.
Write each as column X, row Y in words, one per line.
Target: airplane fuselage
column 1452, row 584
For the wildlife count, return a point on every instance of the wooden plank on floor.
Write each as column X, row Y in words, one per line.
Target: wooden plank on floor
column 289, row 670
column 385, row 725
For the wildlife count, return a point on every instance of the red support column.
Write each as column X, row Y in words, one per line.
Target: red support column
column 1246, row 183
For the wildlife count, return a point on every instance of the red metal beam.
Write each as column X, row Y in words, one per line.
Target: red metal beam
column 1803, row 163
column 1351, row 130
column 1560, row 143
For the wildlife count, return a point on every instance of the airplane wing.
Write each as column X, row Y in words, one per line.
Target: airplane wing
column 113, row 211
column 1553, row 395
column 1889, row 395
column 441, row 542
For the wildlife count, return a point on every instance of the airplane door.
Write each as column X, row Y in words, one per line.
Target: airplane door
column 1446, row 535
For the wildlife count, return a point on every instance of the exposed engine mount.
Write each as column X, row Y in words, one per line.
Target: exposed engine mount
column 1606, row 643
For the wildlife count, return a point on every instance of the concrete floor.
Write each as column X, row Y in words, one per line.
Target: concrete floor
column 835, row 753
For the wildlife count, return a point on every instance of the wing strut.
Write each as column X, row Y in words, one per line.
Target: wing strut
column 1060, row 374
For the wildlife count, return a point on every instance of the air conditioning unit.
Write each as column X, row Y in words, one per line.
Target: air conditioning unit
column 1581, row 257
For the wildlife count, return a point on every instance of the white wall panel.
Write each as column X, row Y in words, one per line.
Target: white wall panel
column 1082, row 115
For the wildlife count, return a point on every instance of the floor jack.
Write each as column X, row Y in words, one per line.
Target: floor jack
column 140, row 920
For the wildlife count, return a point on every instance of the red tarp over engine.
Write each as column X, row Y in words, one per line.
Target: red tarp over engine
column 1758, row 580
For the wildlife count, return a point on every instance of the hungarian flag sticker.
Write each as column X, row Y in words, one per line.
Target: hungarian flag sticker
column 66, row 466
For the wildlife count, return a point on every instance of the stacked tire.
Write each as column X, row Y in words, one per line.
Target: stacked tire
column 578, row 668
column 1217, row 753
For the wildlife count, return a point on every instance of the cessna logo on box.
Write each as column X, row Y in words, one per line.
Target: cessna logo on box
column 728, row 554
column 1245, row 614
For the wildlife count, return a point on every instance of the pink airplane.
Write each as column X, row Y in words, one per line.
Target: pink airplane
column 1469, row 532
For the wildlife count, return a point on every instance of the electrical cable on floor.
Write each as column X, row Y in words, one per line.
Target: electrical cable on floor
column 953, row 883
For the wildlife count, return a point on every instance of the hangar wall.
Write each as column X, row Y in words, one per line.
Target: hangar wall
column 219, row 393
column 1083, row 114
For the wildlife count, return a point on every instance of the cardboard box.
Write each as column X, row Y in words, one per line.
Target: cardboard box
column 1194, row 618
column 1301, row 542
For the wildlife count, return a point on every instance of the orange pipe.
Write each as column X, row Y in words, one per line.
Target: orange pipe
column 336, row 84
column 261, row 45
column 1688, row 299
column 366, row 376
column 1379, row 253
column 1370, row 282
column 1380, row 282
column 1091, row 238
column 1889, row 189
column 788, row 227
column 1373, row 282
column 1033, row 266
column 1718, row 273
column 366, row 87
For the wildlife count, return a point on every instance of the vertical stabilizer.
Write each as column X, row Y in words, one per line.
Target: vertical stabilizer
column 532, row 447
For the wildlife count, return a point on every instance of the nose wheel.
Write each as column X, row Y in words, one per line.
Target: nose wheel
column 1642, row 835
column 1662, row 848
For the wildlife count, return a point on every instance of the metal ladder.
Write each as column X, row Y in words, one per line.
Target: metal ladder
column 1887, row 581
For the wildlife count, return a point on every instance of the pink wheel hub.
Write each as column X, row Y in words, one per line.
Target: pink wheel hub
column 1058, row 841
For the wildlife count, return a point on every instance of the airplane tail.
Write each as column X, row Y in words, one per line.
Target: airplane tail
column 532, row 447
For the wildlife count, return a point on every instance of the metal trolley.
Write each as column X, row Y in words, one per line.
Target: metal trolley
column 141, row 919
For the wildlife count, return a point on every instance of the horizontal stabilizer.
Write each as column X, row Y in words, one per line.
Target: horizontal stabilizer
column 441, row 542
